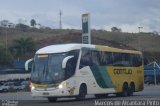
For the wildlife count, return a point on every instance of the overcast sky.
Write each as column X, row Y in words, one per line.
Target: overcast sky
column 125, row 14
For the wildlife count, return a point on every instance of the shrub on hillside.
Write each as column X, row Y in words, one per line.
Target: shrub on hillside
column 22, row 27
column 6, row 58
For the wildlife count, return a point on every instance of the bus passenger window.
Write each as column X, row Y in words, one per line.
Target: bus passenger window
column 95, row 58
column 109, row 58
column 137, row 60
column 103, row 58
column 86, row 59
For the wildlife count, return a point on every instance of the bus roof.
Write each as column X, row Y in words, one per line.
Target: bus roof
column 112, row 49
column 74, row 46
column 62, row 48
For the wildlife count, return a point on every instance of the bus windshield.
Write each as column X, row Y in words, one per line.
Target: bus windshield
column 47, row 68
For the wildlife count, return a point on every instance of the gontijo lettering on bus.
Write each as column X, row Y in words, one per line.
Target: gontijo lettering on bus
column 122, row 71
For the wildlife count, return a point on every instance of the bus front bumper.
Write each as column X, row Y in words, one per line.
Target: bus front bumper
column 51, row 93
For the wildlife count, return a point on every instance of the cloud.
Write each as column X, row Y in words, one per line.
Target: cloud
column 126, row 14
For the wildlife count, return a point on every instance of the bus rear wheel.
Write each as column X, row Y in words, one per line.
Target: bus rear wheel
column 125, row 90
column 82, row 92
column 52, row 99
column 131, row 89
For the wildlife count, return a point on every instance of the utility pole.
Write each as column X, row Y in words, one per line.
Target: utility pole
column 60, row 20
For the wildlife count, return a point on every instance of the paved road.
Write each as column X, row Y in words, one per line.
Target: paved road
column 147, row 96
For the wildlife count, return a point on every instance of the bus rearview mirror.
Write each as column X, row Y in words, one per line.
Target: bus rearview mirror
column 27, row 64
column 65, row 60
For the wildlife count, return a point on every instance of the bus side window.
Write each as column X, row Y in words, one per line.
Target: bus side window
column 117, row 59
column 103, row 58
column 95, row 58
column 137, row 60
column 70, row 67
column 132, row 60
column 71, row 64
column 85, row 59
column 109, row 58
column 126, row 59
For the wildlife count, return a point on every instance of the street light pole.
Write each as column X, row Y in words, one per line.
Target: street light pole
column 6, row 40
column 139, row 29
column 155, row 79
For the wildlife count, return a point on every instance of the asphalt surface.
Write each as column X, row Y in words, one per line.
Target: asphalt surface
column 149, row 96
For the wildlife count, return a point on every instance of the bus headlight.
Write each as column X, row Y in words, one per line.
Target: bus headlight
column 63, row 85
column 32, row 87
column 60, row 86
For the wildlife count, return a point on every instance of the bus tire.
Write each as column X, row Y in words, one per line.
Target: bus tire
column 52, row 99
column 101, row 95
column 82, row 92
column 125, row 90
column 131, row 89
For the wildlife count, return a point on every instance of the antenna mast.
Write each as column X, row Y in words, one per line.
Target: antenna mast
column 60, row 20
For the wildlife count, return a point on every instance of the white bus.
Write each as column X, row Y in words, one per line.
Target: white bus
column 75, row 70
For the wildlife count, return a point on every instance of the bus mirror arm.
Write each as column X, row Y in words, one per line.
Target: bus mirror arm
column 27, row 62
column 64, row 62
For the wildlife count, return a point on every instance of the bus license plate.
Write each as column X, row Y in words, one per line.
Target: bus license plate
column 46, row 93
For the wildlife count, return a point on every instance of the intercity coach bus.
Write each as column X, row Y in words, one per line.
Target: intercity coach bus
column 75, row 70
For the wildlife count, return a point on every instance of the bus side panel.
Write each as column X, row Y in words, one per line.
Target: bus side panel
column 99, row 79
column 96, row 79
column 119, row 75
column 140, row 72
column 102, row 77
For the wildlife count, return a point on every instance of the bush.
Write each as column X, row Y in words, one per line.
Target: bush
column 22, row 27
column 6, row 58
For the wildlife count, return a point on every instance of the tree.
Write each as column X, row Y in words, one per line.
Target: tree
column 115, row 29
column 33, row 22
column 23, row 46
column 1, row 46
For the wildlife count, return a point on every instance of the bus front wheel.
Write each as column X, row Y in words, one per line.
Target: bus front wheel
column 82, row 92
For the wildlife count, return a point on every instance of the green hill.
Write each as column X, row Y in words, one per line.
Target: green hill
column 148, row 43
